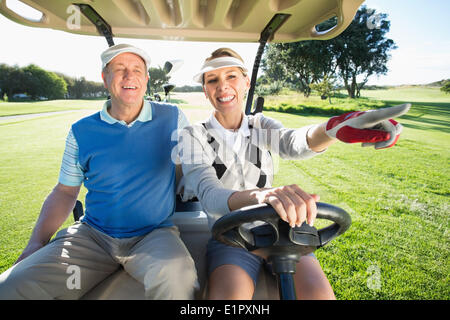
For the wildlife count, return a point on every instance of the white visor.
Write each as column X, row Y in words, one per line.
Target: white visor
column 218, row 63
column 117, row 49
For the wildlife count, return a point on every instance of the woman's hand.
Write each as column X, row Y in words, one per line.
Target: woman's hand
column 292, row 204
column 373, row 128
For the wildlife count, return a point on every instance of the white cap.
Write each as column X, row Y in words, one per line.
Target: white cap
column 114, row 51
column 218, row 63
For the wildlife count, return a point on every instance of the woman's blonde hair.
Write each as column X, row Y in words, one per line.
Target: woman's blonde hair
column 224, row 52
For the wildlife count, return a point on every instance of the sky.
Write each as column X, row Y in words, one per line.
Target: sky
column 418, row 27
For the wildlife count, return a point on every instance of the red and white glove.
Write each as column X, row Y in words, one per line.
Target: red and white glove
column 372, row 128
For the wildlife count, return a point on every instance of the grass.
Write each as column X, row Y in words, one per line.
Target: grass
column 19, row 108
column 398, row 244
column 313, row 105
column 398, row 200
column 412, row 93
column 30, row 153
column 295, row 103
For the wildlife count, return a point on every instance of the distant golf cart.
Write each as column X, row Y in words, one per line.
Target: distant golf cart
column 214, row 21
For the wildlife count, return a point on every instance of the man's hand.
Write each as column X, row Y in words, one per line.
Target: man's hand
column 292, row 204
column 55, row 210
column 372, row 128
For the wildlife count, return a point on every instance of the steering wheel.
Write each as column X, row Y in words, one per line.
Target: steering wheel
column 276, row 241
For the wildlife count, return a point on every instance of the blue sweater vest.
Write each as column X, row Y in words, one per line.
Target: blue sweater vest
column 129, row 174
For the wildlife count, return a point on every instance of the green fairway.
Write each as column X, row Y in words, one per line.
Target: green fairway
column 398, row 198
column 398, row 244
column 19, row 108
column 409, row 93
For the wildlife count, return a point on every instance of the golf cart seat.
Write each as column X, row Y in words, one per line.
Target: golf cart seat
column 193, row 225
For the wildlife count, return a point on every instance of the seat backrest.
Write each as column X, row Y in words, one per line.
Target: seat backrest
column 78, row 211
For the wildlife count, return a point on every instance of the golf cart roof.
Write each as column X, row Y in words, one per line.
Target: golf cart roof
column 189, row 20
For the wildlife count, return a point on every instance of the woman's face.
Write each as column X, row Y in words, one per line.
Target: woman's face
column 225, row 88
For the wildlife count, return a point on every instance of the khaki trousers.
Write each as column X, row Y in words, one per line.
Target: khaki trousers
column 80, row 257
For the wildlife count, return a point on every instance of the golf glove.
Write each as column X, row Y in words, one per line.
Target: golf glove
column 372, row 128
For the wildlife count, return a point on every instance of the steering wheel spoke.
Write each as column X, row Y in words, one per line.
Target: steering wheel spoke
column 276, row 236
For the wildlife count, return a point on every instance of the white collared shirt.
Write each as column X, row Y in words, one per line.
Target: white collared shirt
column 144, row 115
column 205, row 144
column 234, row 140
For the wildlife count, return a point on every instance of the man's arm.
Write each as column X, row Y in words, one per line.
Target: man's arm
column 55, row 210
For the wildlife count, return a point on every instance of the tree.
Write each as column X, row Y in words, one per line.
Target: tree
column 12, row 80
column 37, row 82
column 5, row 71
column 299, row 63
column 359, row 52
column 79, row 87
column 362, row 50
column 41, row 83
column 324, row 88
column 446, row 86
column 158, row 77
column 69, row 84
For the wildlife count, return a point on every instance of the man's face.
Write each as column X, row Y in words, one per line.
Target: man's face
column 126, row 79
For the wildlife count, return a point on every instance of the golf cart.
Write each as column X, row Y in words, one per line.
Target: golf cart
column 225, row 21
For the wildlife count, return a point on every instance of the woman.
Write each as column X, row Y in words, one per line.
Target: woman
column 227, row 165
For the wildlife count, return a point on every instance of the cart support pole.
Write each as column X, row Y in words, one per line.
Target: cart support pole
column 266, row 35
column 102, row 26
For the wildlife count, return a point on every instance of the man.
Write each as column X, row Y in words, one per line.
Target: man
column 123, row 156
